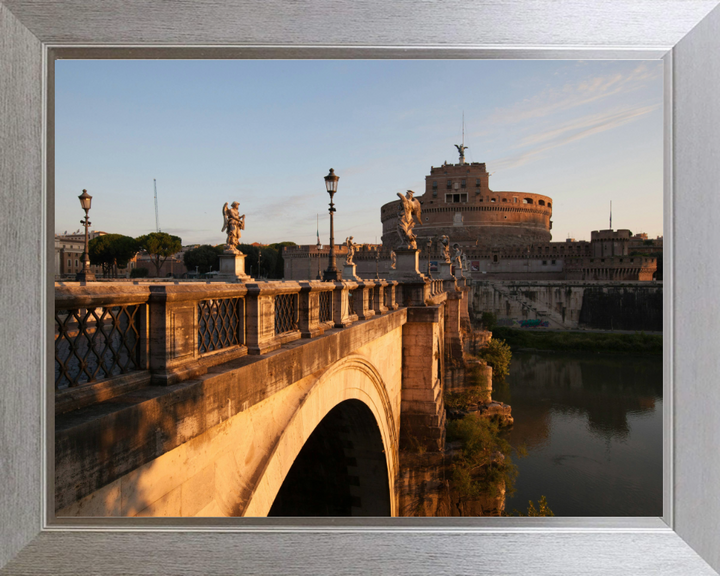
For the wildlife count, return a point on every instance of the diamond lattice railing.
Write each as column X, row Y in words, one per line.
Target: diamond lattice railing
column 219, row 324
column 286, row 313
column 325, row 307
column 95, row 343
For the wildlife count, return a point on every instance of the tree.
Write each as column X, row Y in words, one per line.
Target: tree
column 139, row 272
column 498, row 356
column 111, row 251
column 160, row 246
column 268, row 260
column 203, row 258
column 488, row 320
column 280, row 262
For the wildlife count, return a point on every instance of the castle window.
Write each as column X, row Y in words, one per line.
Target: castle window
column 527, row 201
column 434, row 184
column 514, row 199
column 449, row 184
column 455, row 198
column 544, row 263
column 462, row 183
column 434, row 192
column 493, row 200
column 541, row 202
column 549, row 205
column 552, row 261
column 494, row 257
column 477, row 182
column 504, row 199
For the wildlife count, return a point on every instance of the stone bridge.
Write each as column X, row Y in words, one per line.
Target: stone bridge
column 255, row 399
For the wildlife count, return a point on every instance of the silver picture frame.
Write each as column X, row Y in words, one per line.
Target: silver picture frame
column 684, row 33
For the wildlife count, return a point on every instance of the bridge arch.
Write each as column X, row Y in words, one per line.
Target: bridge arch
column 351, row 388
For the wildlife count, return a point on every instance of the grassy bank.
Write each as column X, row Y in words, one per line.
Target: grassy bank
column 638, row 343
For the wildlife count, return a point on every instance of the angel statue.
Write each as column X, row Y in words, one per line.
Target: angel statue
column 461, row 148
column 233, row 223
column 393, row 259
column 408, row 210
column 457, row 257
column 351, row 250
column 445, row 248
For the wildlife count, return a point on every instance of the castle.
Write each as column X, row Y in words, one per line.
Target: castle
column 503, row 235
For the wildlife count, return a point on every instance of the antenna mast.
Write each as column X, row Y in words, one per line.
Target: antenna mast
column 463, row 131
column 157, row 225
column 610, row 214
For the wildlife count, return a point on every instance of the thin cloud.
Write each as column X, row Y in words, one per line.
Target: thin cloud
column 572, row 95
column 571, row 132
column 611, row 119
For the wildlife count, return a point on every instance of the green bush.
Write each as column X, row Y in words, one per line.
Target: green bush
column 582, row 341
column 488, row 320
column 138, row 273
column 463, row 400
column 474, row 471
column 498, row 356
column 542, row 510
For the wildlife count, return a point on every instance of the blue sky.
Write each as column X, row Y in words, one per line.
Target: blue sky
column 266, row 132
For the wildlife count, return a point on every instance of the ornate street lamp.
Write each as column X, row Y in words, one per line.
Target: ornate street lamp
column 85, row 275
column 332, row 274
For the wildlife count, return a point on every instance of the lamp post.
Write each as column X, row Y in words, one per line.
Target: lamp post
column 332, row 274
column 85, row 275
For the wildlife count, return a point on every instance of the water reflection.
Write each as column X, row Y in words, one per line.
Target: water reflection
column 593, row 430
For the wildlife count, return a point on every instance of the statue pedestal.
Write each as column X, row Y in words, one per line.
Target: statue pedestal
column 349, row 273
column 232, row 268
column 445, row 270
column 459, row 273
column 407, row 265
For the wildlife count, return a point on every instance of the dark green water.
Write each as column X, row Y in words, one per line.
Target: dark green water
column 592, row 426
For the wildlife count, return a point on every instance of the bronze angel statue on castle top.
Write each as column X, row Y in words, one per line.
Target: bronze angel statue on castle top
column 408, row 210
column 233, row 223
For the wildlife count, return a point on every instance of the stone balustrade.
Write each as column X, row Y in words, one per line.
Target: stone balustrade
column 112, row 338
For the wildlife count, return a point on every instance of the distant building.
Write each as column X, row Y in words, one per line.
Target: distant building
column 503, row 235
column 69, row 250
column 173, row 267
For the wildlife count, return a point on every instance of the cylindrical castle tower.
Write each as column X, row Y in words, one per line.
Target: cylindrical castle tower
column 458, row 203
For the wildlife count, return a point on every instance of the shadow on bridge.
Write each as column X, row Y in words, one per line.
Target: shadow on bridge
column 341, row 469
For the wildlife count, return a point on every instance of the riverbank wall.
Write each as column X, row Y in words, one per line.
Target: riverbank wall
column 570, row 305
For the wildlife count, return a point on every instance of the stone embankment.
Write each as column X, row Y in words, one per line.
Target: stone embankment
column 494, row 411
column 426, row 486
column 427, row 490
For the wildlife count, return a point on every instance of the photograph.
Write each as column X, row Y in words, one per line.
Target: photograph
column 407, row 296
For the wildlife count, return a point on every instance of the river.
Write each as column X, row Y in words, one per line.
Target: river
column 592, row 426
